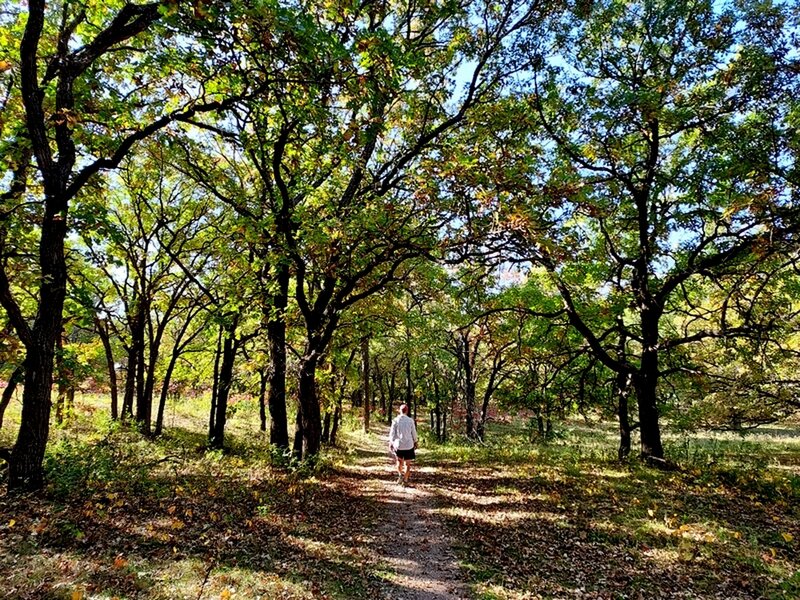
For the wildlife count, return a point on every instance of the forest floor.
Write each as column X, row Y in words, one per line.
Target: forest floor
column 128, row 517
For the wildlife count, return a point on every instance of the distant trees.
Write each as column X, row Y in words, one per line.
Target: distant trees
column 651, row 151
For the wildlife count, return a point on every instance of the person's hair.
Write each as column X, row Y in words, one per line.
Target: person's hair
column 404, row 409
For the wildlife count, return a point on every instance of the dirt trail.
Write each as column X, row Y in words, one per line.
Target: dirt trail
column 411, row 541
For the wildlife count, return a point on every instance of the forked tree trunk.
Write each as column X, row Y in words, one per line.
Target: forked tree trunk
column 216, row 436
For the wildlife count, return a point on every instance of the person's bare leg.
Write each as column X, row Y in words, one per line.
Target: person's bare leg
column 400, row 465
column 407, row 473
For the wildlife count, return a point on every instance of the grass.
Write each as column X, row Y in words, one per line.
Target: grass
column 128, row 517
column 566, row 520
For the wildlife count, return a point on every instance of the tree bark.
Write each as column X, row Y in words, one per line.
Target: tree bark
column 262, row 398
column 216, row 436
column 365, row 380
column 212, row 413
column 645, row 383
column 309, row 417
column 276, row 334
column 102, row 332
column 8, row 392
column 27, row 456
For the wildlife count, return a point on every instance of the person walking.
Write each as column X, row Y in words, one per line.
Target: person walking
column 403, row 442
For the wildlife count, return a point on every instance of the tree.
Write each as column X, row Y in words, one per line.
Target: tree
column 68, row 53
column 660, row 154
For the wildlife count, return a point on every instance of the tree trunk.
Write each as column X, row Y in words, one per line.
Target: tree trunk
column 365, row 380
column 149, row 386
column 61, row 380
column 437, row 410
column 645, row 383
column 162, row 399
column 622, row 389
column 212, row 413
column 309, row 419
column 297, row 444
column 392, row 389
column 326, row 427
column 276, row 334
column 8, row 392
column 102, row 332
column 143, row 406
column 262, row 398
column 409, row 389
column 130, row 383
column 25, row 468
column 337, row 418
column 378, row 383
column 216, row 436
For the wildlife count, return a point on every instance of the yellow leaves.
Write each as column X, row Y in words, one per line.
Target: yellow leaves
column 737, row 535
column 77, row 595
column 11, row 523
column 5, row 66
column 225, row 595
column 788, row 537
column 64, row 116
column 177, row 524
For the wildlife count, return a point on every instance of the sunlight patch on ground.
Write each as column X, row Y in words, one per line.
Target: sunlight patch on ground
column 610, row 473
column 498, row 517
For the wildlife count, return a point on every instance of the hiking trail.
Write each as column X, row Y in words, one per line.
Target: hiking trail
column 411, row 540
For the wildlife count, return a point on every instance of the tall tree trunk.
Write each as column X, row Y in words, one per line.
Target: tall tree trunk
column 645, row 383
column 437, row 411
column 276, row 334
column 377, row 381
column 262, row 397
column 337, row 418
column 309, row 418
column 365, row 380
column 484, row 414
column 392, row 390
column 25, row 468
column 143, row 406
column 102, row 332
column 149, row 385
column 409, row 389
column 216, row 437
column 130, row 382
column 326, row 427
column 162, row 399
column 61, row 380
column 622, row 391
column 212, row 413
column 8, row 392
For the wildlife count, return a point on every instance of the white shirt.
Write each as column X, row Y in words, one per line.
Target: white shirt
column 403, row 433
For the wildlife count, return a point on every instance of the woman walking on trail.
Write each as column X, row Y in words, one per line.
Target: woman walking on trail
column 403, row 442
